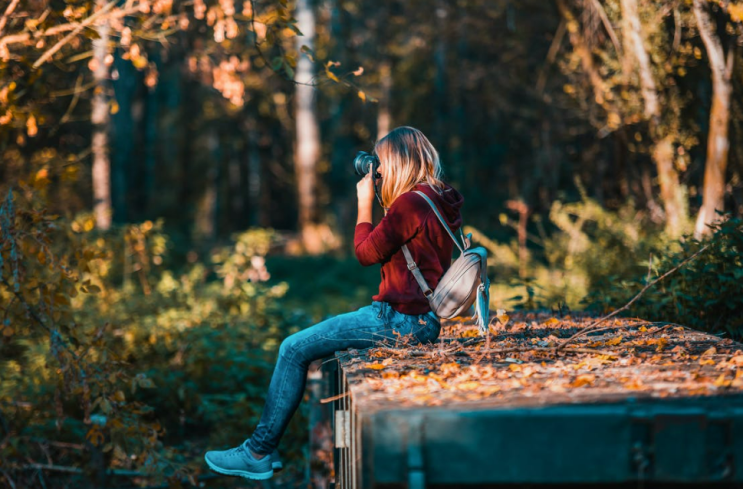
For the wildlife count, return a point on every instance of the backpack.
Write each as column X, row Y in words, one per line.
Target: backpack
column 465, row 283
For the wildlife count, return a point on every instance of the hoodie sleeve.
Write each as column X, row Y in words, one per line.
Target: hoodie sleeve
column 402, row 222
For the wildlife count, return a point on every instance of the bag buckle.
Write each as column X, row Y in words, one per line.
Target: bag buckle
column 412, row 266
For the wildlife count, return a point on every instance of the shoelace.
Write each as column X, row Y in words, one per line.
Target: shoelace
column 233, row 452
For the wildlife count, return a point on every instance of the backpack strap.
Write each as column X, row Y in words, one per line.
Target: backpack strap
column 417, row 273
column 446, row 226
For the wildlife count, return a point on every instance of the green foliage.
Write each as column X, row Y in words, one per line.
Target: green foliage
column 141, row 360
column 598, row 243
column 706, row 293
column 324, row 285
column 58, row 362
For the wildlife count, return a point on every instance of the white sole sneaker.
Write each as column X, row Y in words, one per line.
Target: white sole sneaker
column 240, row 472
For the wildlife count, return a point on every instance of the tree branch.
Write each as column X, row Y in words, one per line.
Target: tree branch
column 49, row 53
column 607, row 25
column 7, row 13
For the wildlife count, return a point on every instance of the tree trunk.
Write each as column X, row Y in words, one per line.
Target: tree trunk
column 383, row 112
column 634, row 46
column 100, row 118
column 255, row 180
column 206, row 214
column 340, row 132
column 123, row 135
column 440, row 82
column 671, row 192
column 308, row 135
column 713, row 192
column 151, row 145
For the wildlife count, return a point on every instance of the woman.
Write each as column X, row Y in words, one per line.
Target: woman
column 408, row 162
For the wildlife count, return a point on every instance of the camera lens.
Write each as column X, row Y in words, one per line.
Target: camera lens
column 365, row 162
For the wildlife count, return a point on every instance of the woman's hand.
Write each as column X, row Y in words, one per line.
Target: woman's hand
column 365, row 190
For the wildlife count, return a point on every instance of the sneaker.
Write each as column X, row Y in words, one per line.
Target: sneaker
column 239, row 462
column 276, row 461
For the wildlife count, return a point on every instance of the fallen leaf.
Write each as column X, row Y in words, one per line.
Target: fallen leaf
column 581, row 380
column 468, row 386
column 722, row 381
column 738, row 381
column 634, row 384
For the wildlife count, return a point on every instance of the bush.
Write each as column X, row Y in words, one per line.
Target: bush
column 103, row 347
column 706, row 293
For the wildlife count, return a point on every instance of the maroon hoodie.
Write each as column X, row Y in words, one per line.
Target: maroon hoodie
column 411, row 220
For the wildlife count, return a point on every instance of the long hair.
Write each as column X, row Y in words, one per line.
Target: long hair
column 409, row 159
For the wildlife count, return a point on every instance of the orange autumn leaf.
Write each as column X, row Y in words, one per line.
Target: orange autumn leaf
column 447, row 368
column 490, row 389
column 722, row 381
column 738, row 380
column 633, row 384
column 468, row 386
column 581, row 380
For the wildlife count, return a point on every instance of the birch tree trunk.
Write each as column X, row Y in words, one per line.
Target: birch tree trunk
column 100, row 119
column 713, row 192
column 307, row 129
column 671, row 192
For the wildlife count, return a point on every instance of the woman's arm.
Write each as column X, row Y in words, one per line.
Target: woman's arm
column 365, row 194
column 401, row 223
column 365, row 213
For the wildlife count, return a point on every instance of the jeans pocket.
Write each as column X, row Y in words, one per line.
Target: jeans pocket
column 421, row 326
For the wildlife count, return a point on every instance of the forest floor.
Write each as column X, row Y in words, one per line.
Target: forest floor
column 525, row 363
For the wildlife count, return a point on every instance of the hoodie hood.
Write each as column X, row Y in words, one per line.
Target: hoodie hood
column 449, row 203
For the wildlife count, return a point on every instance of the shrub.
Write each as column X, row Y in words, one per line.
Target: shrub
column 706, row 293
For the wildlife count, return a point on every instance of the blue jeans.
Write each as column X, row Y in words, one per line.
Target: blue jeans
column 366, row 327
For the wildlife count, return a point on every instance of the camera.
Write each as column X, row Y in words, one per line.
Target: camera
column 366, row 162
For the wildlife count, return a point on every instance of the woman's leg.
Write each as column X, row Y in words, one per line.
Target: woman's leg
column 364, row 328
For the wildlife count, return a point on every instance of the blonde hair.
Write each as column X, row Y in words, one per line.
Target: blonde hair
column 409, row 159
